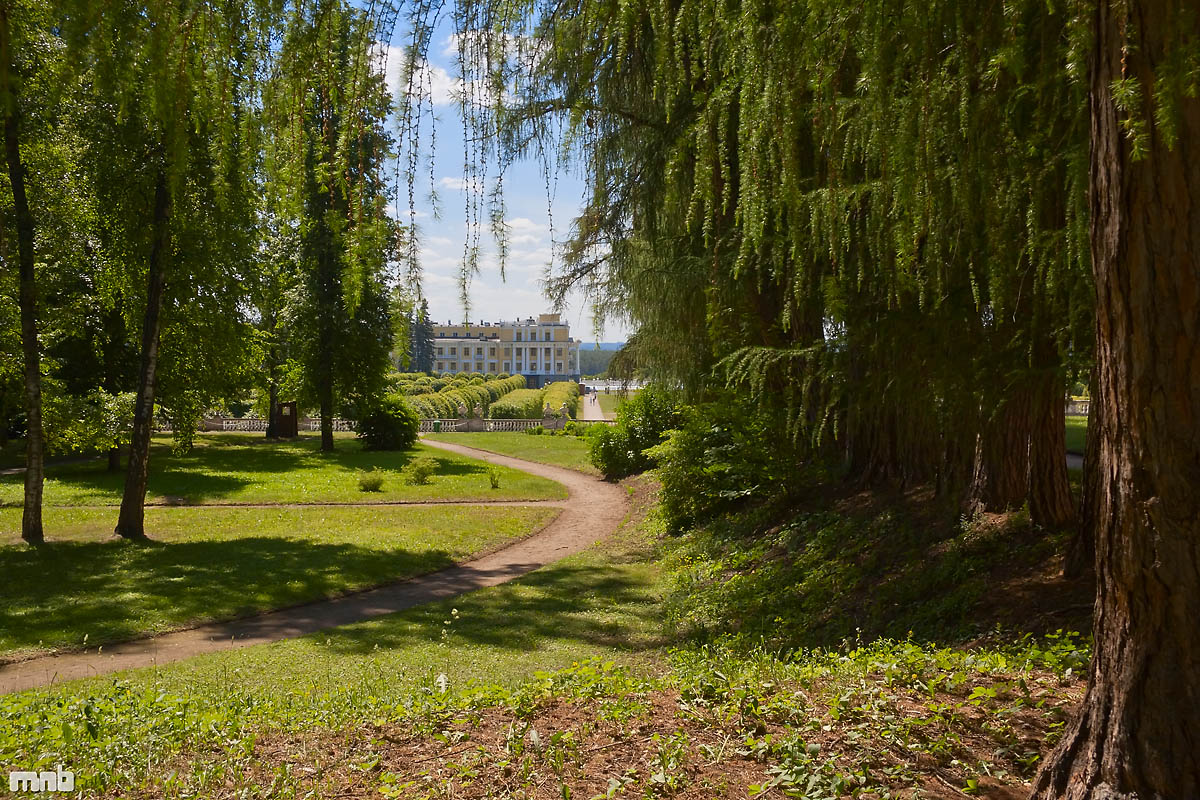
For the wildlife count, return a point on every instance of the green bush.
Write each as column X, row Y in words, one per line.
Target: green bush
column 419, row 471
column 519, row 404
column 561, row 392
column 538, row 431
column 391, row 424
column 370, row 481
column 494, row 477
column 642, row 421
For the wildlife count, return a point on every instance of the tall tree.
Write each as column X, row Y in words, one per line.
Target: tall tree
column 330, row 101
column 1136, row 733
column 10, row 100
column 167, row 82
column 421, row 339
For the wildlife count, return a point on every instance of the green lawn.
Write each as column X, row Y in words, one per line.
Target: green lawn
column 218, row 563
column 561, row 451
column 1076, row 434
column 611, row 403
column 431, row 700
column 245, row 468
column 598, row 603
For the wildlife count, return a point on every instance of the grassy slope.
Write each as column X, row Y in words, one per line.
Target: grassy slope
column 365, row 710
column 218, row 563
column 1076, row 434
column 245, row 468
column 561, row 451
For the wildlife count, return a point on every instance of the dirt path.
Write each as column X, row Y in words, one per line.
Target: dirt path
column 593, row 511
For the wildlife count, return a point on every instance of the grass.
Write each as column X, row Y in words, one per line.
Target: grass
column 888, row 566
column 611, row 403
column 559, row 684
column 245, row 468
column 219, row 563
column 110, row 729
column 1076, row 434
column 560, row 451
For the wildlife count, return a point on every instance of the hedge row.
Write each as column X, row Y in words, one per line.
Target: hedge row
column 561, row 392
column 521, row 404
column 468, row 393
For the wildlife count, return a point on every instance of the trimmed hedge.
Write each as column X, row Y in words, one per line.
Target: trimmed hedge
column 521, row 404
column 438, row 399
column 561, row 392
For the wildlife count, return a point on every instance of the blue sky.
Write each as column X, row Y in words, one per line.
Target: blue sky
column 534, row 223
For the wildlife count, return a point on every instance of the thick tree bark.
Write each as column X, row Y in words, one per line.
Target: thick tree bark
column 1050, row 503
column 1001, row 474
column 1137, row 732
column 31, row 516
column 131, row 520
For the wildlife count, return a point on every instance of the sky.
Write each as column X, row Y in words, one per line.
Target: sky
column 534, row 221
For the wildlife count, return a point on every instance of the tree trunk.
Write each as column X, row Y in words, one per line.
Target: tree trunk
column 327, row 415
column 1050, row 503
column 272, row 394
column 31, row 516
column 114, row 459
column 131, row 521
column 1001, row 474
column 1136, row 734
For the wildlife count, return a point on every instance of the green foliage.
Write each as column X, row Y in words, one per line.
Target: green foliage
column 722, row 456
column 560, row 393
column 521, row 404
column 494, row 477
column 419, row 471
column 370, row 481
column 642, row 422
column 440, row 399
column 535, row 431
column 389, row 424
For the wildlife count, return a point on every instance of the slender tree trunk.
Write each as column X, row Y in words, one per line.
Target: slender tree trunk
column 31, row 516
column 1137, row 733
column 1050, row 503
column 272, row 393
column 327, row 415
column 131, row 521
column 1001, row 472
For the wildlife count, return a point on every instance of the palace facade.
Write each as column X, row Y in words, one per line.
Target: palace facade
column 542, row 350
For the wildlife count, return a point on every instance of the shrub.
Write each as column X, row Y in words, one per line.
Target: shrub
column 370, row 481
column 725, row 454
column 538, row 431
column 561, row 392
column 390, row 424
column 642, row 421
column 494, row 477
column 419, row 471
column 520, row 404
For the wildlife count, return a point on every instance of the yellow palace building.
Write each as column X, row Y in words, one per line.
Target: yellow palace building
column 542, row 350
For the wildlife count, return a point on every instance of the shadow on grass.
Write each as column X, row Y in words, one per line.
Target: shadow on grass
column 115, row 590
column 221, row 465
column 591, row 604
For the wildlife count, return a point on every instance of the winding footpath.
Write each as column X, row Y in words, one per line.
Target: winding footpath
column 594, row 510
